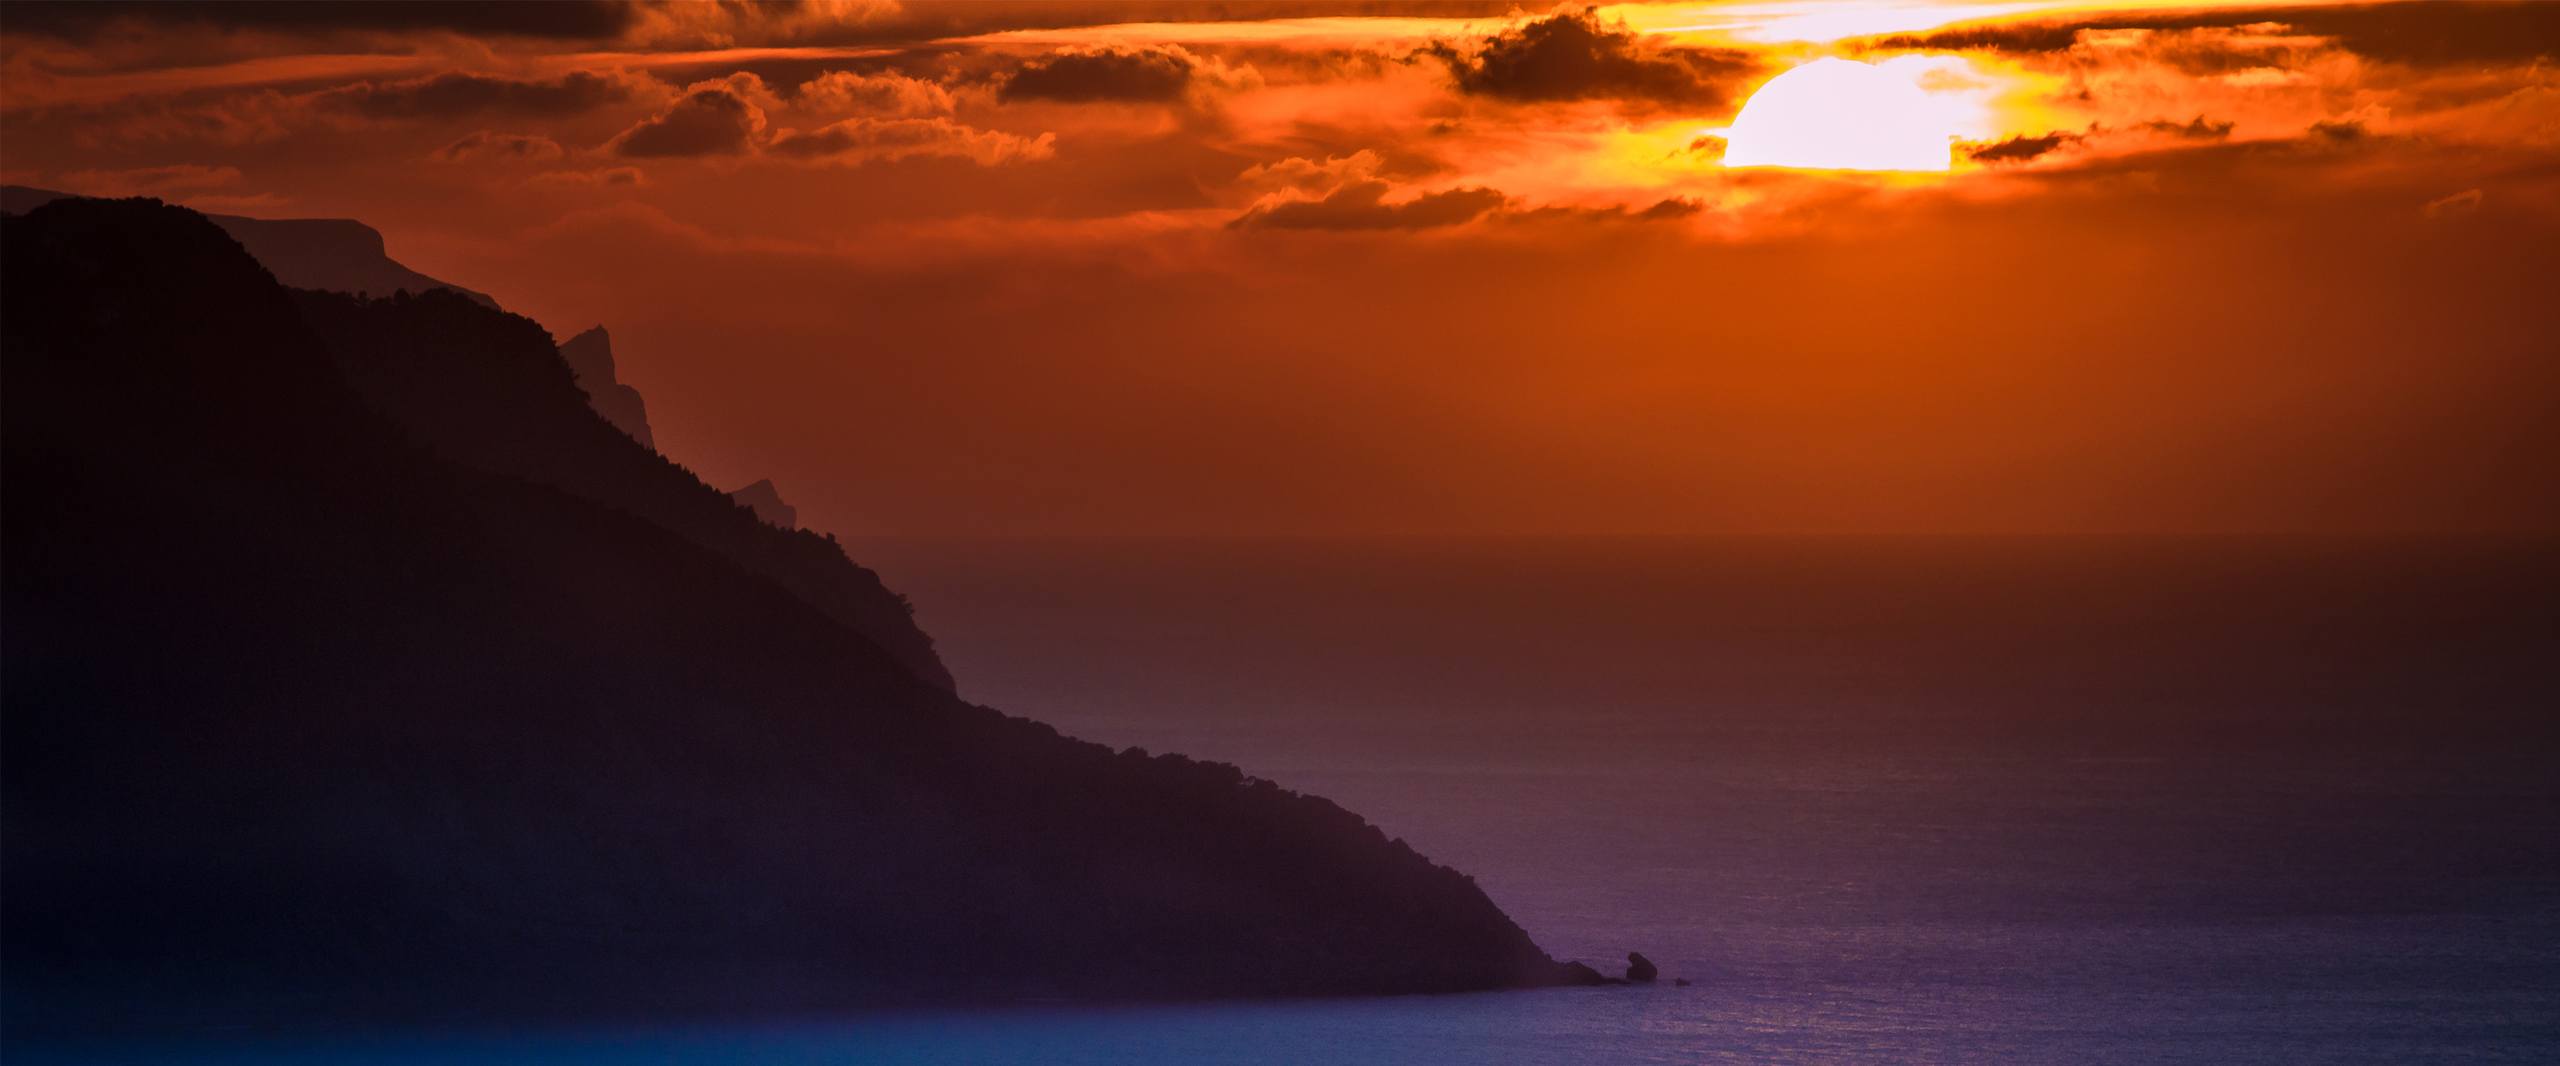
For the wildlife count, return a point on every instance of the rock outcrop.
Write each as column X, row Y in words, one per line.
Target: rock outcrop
column 590, row 358
column 1640, row 969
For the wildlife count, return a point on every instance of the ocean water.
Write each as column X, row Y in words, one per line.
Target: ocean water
column 1907, row 802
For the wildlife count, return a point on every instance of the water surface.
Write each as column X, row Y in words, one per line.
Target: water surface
column 2009, row 802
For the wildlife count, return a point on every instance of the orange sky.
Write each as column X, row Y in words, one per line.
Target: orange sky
column 1364, row 267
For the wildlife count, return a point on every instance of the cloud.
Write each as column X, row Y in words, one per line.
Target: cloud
column 2454, row 206
column 712, row 118
column 1348, row 192
column 262, row 203
column 2020, row 149
column 255, row 114
column 2197, row 130
column 609, row 177
column 872, row 22
column 1111, row 73
column 843, row 91
column 239, row 119
column 1667, row 209
column 496, row 18
column 2431, row 33
column 456, row 93
column 151, row 181
column 1363, row 205
column 1575, row 56
column 2254, row 54
column 2099, row 139
column 727, row 118
column 1309, row 176
column 855, row 141
column 2134, row 89
column 1664, row 210
column 491, row 145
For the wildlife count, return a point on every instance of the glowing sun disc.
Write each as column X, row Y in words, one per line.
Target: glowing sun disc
column 1840, row 114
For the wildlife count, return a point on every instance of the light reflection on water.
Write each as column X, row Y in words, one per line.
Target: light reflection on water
column 1961, row 907
column 1657, row 1025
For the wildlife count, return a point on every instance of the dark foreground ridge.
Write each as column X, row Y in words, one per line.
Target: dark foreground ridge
column 319, row 707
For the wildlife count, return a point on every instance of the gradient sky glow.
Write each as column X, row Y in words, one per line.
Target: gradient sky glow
column 1377, row 267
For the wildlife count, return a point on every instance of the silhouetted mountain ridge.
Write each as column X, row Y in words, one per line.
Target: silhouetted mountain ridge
column 317, row 708
column 346, row 256
column 337, row 254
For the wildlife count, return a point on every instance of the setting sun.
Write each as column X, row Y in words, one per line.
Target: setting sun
column 1840, row 114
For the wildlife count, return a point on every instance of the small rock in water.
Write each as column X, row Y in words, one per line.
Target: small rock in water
column 1641, row 969
column 1679, row 982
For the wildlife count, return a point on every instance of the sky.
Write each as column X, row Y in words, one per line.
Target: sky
column 1776, row 266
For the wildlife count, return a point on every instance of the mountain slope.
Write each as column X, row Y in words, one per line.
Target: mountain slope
column 483, row 386
column 489, row 390
column 305, row 717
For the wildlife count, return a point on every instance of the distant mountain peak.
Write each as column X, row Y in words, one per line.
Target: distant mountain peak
column 590, row 358
column 766, row 501
column 595, row 344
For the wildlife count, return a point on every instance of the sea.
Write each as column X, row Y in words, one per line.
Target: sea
column 1942, row 800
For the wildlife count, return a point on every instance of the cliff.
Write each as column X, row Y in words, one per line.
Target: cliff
column 590, row 359
column 319, row 705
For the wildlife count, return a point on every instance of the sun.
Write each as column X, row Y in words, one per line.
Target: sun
column 1840, row 114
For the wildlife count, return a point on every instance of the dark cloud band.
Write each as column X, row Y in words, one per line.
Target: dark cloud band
column 1576, row 56
column 559, row 19
column 2434, row 32
column 1141, row 74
